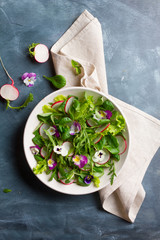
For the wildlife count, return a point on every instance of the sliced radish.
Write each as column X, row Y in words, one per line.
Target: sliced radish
column 106, row 158
column 86, row 168
column 43, row 152
column 43, row 127
column 63, row 180
column 55, row 105
column 68, row 145
column 41, row 53
column 122, row 144
column 97, row 139
column 102, row 128
column 52, row 156
column 91, row 122
column 8, row 91
column 68, row 104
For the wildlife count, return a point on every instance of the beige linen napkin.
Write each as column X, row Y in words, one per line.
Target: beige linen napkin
column 83, row 42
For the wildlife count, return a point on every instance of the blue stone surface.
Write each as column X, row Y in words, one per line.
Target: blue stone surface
column 131, row 36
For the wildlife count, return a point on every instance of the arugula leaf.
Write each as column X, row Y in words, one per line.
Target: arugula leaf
column 38, row 158
column 50, row 137
column 25, row 104
column 54, row 174
column 77, row 66
column 112, row 170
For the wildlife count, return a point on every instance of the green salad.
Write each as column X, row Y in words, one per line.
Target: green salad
column 77, row 139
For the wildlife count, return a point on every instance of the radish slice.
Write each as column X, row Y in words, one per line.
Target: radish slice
column 97, row 139
column 57, row 104
column 91, row 123
column 41, row 130
column 52, row 156
column 68, row 145
column 63, row 180
column 9, row 92
column 106, row 159
column 122, row 144
column 102, row 128
column 43, row 152
column 41, row 53
column 86, row 168
column 68, row 104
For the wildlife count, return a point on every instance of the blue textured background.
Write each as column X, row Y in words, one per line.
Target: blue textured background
column 131, row 35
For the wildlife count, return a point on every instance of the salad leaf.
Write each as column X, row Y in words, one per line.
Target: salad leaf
column 81, row 110
column 58, row 81
column 48, row 109
column 60, row 98
column 65, row 120
column 108, row 105
column 80, row 181
column 116, row 125
column 77, row 66
column 112, row 144
column 96, row 181
column 6, row 190
column 37, row 139
column 44, row 117
column 40, row 167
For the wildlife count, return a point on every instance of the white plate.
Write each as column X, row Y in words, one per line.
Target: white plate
column 32, row 123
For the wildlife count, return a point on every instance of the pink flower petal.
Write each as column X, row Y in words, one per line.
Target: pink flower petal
column 32, row 75
column 25, row 75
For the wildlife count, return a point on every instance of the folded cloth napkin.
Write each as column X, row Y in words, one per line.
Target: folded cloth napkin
column 83, row 42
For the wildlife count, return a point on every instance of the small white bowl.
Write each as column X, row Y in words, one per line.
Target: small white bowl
column 32, row 123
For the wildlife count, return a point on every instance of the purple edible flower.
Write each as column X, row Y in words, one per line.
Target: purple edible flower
column 88, row 179
column 105, row 114
column 108, row 114
column 29, row 79
column 80, row 160
column 54, row 131
column 51, row 163
column 35, row 149
column 75, row 128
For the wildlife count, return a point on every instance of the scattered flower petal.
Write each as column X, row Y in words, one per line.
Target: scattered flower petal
column 99, row 156
column 29, row 79
column 75, row 128
column 80, row 160
column 35, row 149
column 88, row 179
column 51, row 163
